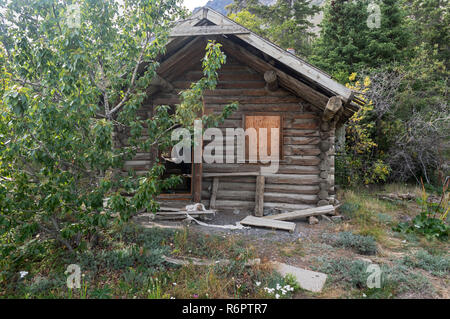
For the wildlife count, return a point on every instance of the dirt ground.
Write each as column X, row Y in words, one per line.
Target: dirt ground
column 302, row 247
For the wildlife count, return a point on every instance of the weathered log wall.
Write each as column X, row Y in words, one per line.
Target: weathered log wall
column 303, row 169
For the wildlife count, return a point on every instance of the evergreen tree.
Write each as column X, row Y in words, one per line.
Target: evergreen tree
column 286, row 23
column 350, row 38
column 430, row 21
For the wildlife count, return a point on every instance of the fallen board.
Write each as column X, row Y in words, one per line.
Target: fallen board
column 307, row 279
column 183, row 212
column 262, row 222
column 329, row 209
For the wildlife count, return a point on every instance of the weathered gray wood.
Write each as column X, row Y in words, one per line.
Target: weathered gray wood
column 267, row 223
column 271, row 79
column 329, row 209
column 230, row 174
column 290, row 198
column 278, row 53
column 333, row 106
column 158, row 83
column 272, row 188
column 259, row 196
column 214, row 189
column 297, row 87
column 208, row 30
column 184, row 212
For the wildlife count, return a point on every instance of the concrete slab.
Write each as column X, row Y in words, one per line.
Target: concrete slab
column 307, row 279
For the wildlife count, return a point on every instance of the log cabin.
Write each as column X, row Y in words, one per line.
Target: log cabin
column 273, row 88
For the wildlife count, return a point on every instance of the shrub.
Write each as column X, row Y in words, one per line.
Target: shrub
column 432, row 221
column 395, row 279
column 348, row 209
column 435, row 264
column 365, row 245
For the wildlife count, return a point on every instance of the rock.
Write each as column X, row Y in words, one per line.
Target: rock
column 338, row 218
column 322, row 202
column 270, row 211
column 307, row 279
column 367, row 260
column 313, row 220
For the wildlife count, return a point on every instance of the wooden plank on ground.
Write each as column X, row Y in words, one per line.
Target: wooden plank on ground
column 183, row 212
column 329, row 209
column 267, row 223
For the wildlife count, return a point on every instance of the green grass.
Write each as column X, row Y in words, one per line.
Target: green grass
column 129, row 263
column 437, row 265
column 365, row 245
column 395, row 280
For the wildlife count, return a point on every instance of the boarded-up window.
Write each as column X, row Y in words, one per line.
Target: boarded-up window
column 267, row 122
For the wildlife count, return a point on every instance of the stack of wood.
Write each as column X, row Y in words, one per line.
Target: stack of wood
column 173, row 213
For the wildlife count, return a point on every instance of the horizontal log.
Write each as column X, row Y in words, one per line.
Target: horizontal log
column 301, row 133
column 292, row 179
column 259, row 107
column 241, row 75
column 206, row 175
column 207, row 30
column 249, row 206
column 182, row 84
column 296, row 150
column 302, row 160
column 322, row 210
column 247, row 92
column 168, row 99
column 300, row 124
column 232, row 194
column 290, row 140
column 273, row 188
column 290, row 198
column 248, row 167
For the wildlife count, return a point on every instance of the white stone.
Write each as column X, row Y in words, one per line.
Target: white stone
column 307, row 279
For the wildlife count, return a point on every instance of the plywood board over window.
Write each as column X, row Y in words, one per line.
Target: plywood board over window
column 263, row 121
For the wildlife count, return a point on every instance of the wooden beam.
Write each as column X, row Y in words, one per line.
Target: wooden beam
column 271, row 80
column 259, row 196
column 231, row 174
column 314, row 74
column 329, row 209
column 157, row 84
column 214, row 188
column 208, row 30
column 295, row 86
column 267, row 223
column 333, row 106
column 295, row 63
column 170, row 68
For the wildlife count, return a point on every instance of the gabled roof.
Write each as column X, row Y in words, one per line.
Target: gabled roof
column 295, row 74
